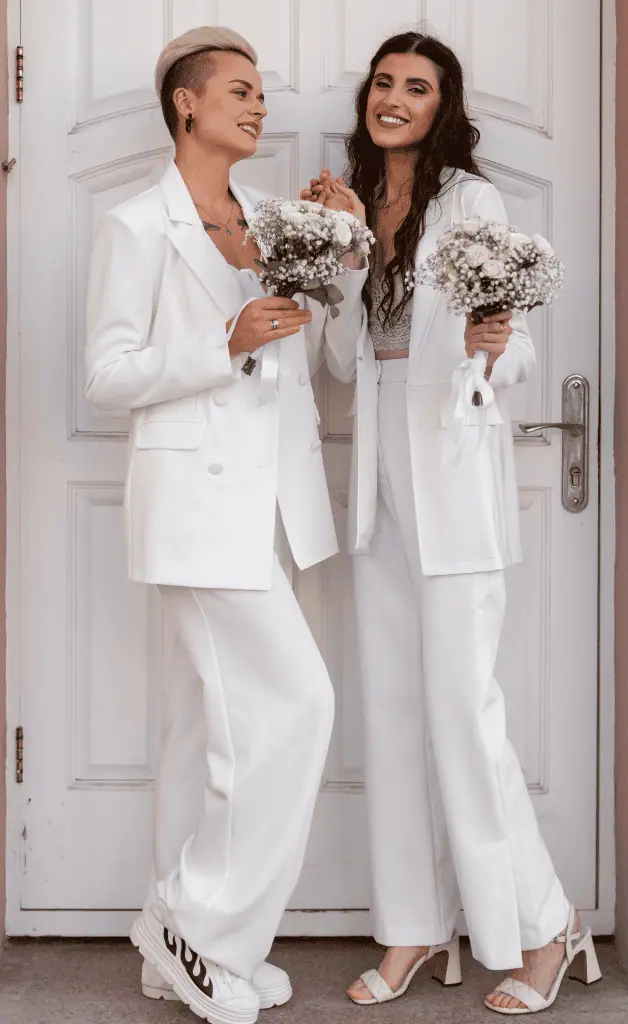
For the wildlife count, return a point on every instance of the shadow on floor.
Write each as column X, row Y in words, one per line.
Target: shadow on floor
column 97, row 982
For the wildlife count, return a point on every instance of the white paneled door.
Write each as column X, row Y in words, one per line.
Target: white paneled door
column 87, row 648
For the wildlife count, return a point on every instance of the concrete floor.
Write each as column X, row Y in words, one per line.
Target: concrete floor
column 69, row 982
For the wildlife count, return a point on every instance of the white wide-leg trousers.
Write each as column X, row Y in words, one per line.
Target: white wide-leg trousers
column 248, row 712
column 449, row 813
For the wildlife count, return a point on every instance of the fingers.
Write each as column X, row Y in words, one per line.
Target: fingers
column 274, row 302
column 496, row 318
column 282, row 332
column 489, row 331
column 493, row 348
column 303, row 316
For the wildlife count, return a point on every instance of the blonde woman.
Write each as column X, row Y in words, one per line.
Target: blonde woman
column 175, row 309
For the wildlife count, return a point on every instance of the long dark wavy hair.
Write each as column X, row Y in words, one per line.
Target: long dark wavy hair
column 450, row 143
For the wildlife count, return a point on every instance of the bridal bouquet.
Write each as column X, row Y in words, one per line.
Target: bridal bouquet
column 486, row 267
column 302, row 244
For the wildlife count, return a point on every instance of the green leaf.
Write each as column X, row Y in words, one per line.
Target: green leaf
column 334, row 294
column 335, row 312
column 319, row 294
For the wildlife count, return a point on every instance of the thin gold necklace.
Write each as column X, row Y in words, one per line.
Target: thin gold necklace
column 209, row 224
column 386, row 204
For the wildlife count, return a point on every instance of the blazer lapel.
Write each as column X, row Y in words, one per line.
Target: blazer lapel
column 189, row 238
column 426, row 299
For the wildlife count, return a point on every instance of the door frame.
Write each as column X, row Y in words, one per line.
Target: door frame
column 329, row 923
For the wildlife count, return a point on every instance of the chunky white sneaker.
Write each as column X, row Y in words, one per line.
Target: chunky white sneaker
column 211, row 992
column 271, row 984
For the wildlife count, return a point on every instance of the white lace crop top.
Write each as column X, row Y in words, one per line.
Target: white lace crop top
column 386, row 338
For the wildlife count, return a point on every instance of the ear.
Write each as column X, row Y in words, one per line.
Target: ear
column 183, row 100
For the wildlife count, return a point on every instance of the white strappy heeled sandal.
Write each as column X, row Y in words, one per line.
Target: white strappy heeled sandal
column 446, row 970
column 580, row 960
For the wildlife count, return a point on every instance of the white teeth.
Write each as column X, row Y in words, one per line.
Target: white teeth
column 391, row 120
column 248, row 128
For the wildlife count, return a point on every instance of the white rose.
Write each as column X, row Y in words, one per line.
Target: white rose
column 343, row 232
column 518, row 238
column 471, row 226
column 295, row 213
column 364, row 248
column 477, row 255
column 494, row 269
column 543, row 245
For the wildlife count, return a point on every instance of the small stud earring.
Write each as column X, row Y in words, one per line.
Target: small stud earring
column 188, row 123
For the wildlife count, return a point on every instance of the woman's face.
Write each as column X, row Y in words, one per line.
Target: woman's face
column 403, row 101
column 228, row 114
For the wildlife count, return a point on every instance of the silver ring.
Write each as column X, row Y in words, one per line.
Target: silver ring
column 275, row 325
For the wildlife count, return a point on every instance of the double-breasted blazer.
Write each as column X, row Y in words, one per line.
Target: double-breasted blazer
column 211, row 453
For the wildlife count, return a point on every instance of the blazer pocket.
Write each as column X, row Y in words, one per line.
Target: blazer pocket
column 169, row 434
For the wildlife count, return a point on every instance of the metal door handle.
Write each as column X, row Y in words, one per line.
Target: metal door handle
column 575, row 428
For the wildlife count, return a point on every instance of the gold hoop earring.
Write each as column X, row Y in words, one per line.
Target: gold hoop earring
column 188, row 123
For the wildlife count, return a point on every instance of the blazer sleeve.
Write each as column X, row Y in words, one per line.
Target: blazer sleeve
column 514, row 366
column 340, row 336
column 123, row 370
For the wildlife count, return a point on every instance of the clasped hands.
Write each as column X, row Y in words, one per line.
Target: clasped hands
column 490, row 336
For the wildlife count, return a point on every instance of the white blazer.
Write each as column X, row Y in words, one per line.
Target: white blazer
column 467, row 514
column 209, row 455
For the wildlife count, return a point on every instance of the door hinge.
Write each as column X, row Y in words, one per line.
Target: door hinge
column 19, row 754
column 19, row 74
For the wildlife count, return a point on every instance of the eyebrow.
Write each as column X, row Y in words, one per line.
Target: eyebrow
column 248, row 86
column 409, row 81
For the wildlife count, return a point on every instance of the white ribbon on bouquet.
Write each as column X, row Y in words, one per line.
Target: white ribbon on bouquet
column 468, row 380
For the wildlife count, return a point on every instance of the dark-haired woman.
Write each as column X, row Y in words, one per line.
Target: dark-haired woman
column 449, row 812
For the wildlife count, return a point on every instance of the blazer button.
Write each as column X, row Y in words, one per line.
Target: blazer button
column 221, row 398
column 304, row 380
column 316, row 447
column 215, row 469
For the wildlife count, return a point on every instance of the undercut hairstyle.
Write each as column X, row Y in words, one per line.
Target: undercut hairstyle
column 190, row 72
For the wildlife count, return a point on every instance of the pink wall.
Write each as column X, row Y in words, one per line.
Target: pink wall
column 621, row 468
column 3, row 316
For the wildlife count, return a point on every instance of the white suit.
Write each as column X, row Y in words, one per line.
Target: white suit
column 448, row 808
column 212, row 454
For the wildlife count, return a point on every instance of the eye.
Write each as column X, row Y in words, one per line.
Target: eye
column 418, row 90
column 382, row 84
column 240, row 92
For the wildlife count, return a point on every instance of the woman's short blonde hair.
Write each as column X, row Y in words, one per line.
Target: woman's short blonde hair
column 183, row 64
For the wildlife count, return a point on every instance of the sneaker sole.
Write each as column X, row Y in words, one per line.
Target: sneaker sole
column 279, row 997
column 207, row 1009
column 267, row 1001
column 168, row 994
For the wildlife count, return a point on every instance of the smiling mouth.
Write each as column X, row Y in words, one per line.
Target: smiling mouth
column 250, row 129
column 391, row 121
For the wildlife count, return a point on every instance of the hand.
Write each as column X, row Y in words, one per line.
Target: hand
column 490, row 336
column 254, row 327
column 319, row 190
column 335, row 194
